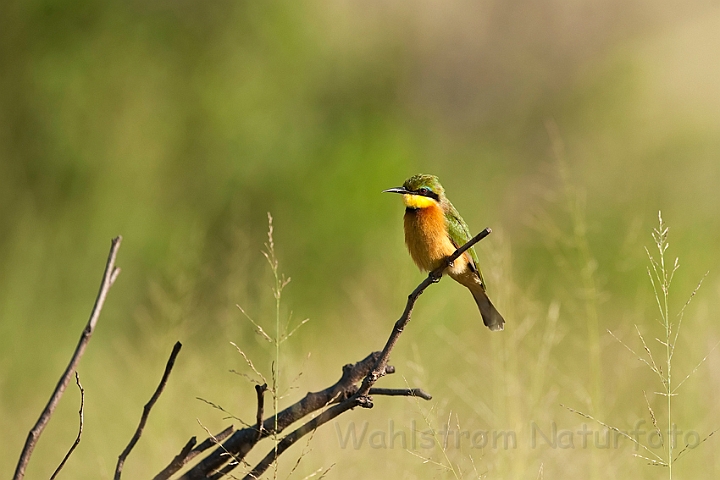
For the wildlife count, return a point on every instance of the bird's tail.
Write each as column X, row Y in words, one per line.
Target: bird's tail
column 491, row 317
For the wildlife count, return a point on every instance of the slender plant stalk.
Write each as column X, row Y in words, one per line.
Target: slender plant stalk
column 668, row 356
column 664, row 276
column 661, row 275
column 276, row 375
column 280, row 283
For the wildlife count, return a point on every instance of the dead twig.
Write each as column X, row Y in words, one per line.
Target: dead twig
column 188, row 453
column 401, row 392
column 177, row 462
column 260, row 390
column 77, row 439
column 347, row 395
column 296, row 435
column 146, row 411
column 242, row 441
column 109, row 276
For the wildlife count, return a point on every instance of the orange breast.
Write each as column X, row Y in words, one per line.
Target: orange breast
column 426, row 236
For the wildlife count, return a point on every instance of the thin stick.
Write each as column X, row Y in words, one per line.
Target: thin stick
column 242, row 441
column 177, row 462
column 401, row 392
column 296, row 435
column 320, row 420
column 146, row 411
column 109, row 277
column 77, row 439
column 188, row 453
column 260, row 390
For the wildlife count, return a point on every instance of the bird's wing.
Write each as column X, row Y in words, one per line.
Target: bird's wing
column 460, row 235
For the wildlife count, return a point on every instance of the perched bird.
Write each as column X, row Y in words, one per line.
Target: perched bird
column 434, row 230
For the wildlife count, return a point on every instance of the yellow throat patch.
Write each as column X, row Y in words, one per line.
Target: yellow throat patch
column 417, row 201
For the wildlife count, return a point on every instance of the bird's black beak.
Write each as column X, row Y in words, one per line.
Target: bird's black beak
column 396, row 190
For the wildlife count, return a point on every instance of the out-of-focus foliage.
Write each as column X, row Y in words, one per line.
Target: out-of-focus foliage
column 563, row 126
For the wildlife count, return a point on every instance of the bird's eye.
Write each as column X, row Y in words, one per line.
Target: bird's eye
column 423, row 191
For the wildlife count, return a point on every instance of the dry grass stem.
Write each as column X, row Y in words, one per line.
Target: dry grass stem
column 652, row 366
column 229, row 415
column 258, row 328
column 250, row 364
column 616, row 430
column 652, row 416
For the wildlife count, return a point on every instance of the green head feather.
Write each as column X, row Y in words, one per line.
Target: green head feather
column 422, row 180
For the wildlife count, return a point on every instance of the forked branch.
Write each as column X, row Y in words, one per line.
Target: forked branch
column 109, row 276
column 80, row 430
column 343, row 396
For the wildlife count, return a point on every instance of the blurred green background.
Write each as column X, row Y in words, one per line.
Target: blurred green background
column 563, row 126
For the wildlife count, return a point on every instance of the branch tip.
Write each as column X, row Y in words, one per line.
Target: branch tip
column 33, row 436
column 146, row 410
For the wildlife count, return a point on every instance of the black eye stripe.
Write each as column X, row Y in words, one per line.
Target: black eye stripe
column 426, row 192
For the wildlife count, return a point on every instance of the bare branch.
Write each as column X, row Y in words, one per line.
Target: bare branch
column 345, row 393
column 296, row 435
column 242, row 441
column 188, row 453
column 209, row 442
column 260, row 390
column 401, row 392
column 177, row 462
column 109, row 277
column 321, row 419
column 77, row 439
column 146, row 410
column 233, row 460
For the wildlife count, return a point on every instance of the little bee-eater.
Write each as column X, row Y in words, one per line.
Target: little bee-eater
column 434, row 230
